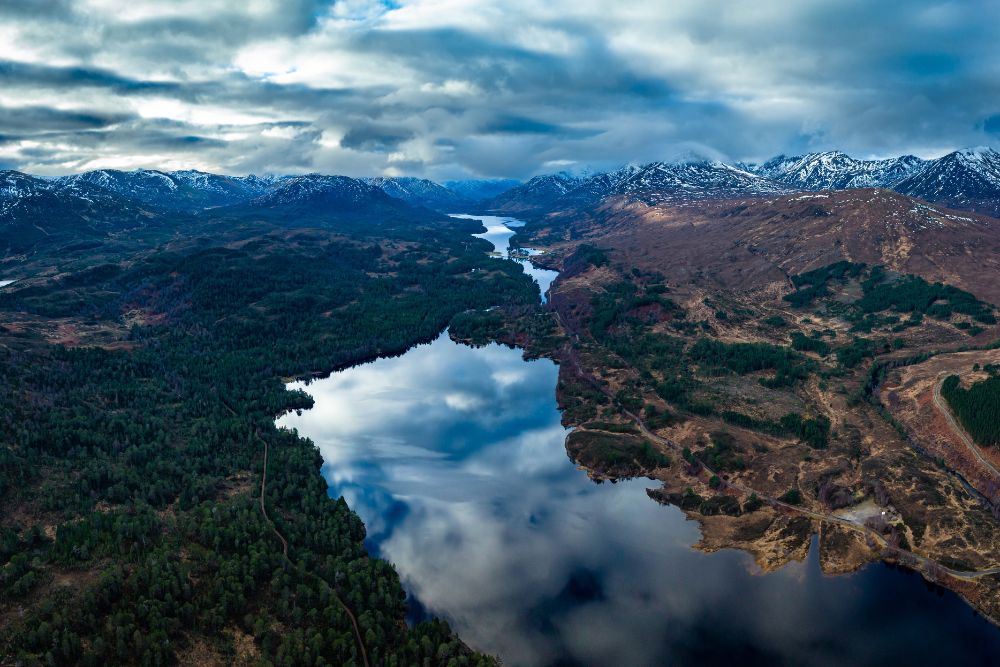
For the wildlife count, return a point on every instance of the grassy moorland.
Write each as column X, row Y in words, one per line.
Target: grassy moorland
column 755, row 396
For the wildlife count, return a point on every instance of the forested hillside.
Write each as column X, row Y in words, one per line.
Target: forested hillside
column 978, row 407
column 130, row 473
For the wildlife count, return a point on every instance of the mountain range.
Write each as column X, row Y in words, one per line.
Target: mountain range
column 97, row 203
column 967, row 179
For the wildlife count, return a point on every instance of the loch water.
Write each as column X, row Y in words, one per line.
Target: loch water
column 454, row 458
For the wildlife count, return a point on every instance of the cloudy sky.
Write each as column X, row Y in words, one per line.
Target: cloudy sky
column 456, row 88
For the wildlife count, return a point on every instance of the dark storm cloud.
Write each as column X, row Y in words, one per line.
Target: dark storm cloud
column 14, row 74
column 521, row 125
column 992, row 124
column 451, row 88
column 27, row 121
column 370, row 137
column 33, row 8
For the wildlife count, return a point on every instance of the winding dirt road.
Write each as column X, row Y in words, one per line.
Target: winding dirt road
column 284, row 543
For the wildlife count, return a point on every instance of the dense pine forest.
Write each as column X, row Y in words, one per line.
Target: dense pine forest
column 130, row 471
column 978, row 407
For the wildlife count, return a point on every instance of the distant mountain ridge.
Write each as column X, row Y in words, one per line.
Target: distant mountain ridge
column 53, row 212
column 653, row 183
column 834, row 170
column 107, row 201
column 179, row 190
column 421, row 192
column 35, row 210
column 968, row 179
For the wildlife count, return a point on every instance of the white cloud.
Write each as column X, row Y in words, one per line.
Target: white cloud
column 448, row 88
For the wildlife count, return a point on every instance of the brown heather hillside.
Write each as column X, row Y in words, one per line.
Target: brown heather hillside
column 769, row 419
column 754, row 243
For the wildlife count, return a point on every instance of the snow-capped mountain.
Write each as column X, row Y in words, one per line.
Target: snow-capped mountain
column 539, row 193
column 94, row 204
column 35, row 211
column 318, row 189
column 15, row 186
column 598, row 186
column 219, row 190
column 180, row 190
column 660, row 182
column 964, row 179
column 320, row 200
column 420, row 192
column 834, row 170
column 654, row 183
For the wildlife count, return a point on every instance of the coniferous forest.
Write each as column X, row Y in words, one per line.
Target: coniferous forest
column 978, row 407
column 130, row 472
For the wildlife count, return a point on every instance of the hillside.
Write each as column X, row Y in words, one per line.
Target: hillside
column 968, row 179
column 753, row 243
column 746, row 354
column 36, row 214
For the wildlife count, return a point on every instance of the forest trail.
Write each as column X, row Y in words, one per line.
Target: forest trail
column 284, row 549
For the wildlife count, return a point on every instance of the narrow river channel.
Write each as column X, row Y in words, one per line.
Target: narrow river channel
column 454, row 458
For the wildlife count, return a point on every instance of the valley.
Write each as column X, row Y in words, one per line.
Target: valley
column 455, row 458
column 453, row 333
column 752, row 369
column 768, row 374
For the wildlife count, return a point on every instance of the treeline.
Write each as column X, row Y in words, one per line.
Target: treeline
column 146, row 463
column 743, row 358
column 813, row 431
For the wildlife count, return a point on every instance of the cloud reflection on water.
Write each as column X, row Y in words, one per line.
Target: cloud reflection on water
column 455, row 459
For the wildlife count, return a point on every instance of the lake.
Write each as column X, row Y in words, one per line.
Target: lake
column 498, row 232
column 454, row 457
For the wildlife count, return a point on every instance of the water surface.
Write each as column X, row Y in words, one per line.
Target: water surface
column 454, row 457
column 498, row 232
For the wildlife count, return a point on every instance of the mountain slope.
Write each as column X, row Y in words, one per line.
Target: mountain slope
column 420, row 192
column 180, row 190
column 35, row 213
column 654, row 183
column 661, row 182
column 328, row 201
column 756, row 243
column 538, row 194
column 834, row 170
column 968, row 179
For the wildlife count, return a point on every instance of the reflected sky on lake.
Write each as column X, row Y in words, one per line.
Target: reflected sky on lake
column 455, row 459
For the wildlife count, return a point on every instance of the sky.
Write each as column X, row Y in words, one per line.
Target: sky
column 449, row 89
